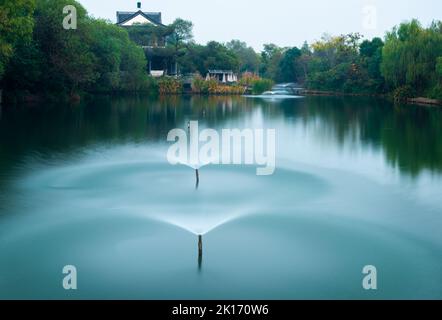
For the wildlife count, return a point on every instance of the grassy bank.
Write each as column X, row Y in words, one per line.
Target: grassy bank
column 201, row 86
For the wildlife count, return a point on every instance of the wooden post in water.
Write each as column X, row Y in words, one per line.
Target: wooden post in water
column 197, row 175
column 200, row 251
column 200, row 245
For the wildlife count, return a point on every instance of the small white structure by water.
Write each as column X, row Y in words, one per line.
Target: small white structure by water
column 157, row 73
column 223, row 76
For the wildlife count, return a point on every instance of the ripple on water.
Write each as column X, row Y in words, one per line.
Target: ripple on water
column 113, row 219
column 160, row 191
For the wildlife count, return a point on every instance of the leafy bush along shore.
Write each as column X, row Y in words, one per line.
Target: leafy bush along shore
column 202, row 86
column 171, row 85
column 39, row 58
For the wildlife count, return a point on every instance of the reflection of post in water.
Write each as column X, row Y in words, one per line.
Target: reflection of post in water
column 197, row 175
column 200, row 251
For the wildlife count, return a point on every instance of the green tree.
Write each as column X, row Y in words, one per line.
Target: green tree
column 16, row 25
column 218, row 56
column 214, row 55
column 371, row 59
column 193, row 60
column 439, row 68
column 248, row 58
column 304, row 62
column 181, row 35
column 121, row 64
column 271, row 58
column 289, row 65
column 97, row 56
column 69, row 65
column 409, row 57
column 133, row 68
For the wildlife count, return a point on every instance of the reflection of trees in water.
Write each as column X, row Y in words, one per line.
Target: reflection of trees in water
column 412, row 139
column 409, row 136
column 58, row 128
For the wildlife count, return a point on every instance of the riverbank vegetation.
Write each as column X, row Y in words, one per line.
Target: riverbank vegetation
column 96, row 57
column 38, row 57
column 256, row 84
column 211, row 86
column 407, row 63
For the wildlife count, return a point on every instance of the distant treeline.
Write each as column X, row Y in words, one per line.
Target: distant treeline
column 38, row 56
column 407, row 63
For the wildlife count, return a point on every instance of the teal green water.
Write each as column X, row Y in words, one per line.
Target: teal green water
column 358, row 182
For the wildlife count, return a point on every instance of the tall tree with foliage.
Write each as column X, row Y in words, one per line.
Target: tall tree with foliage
column 96, row 57
column 68, row 60
column 218, row 56
column 410, row 58
column 289, row 65
column 371, row 58
column 16, row 24
column 121, row 63
column 271, row 58
column 214, row 55
column 181, row 35
column 248, row 58
column 343, row 64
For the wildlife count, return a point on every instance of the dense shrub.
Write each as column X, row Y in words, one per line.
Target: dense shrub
column 170, row 85
column 200, row 85
column 403, row 93
column 213, row 87
column 248, row 78
column 261, row 85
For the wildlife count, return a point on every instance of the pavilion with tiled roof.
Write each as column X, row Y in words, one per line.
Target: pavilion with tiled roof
column 126, row 18
column 152, row 40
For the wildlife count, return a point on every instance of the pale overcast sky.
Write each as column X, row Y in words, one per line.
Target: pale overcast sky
column 283, row 22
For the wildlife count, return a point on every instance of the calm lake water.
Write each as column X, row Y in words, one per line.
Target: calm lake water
column 358, row 182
